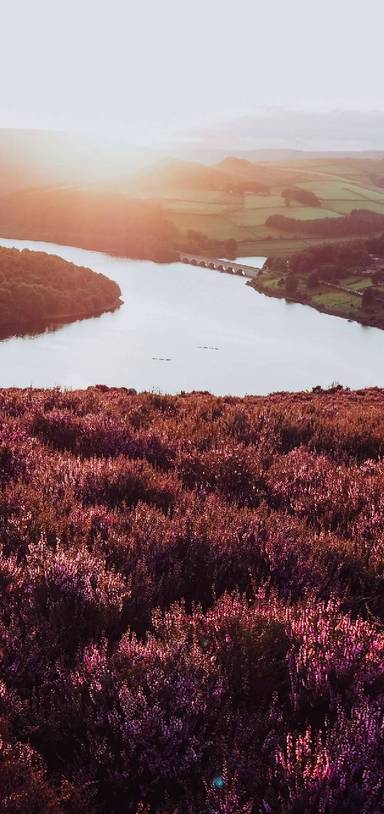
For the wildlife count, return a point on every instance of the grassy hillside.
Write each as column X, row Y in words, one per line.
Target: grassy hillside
column 150, row 213
column 192, row 607
column 89, row 218
column 222, row 211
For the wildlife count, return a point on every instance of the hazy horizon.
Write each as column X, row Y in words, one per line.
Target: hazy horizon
column 160, row 74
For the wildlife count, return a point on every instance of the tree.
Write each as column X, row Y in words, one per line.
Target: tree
column 369, row 297
column 291, row 285
column 303, row 196
column 331, row 272
column 313, row 280
column 230, row 248
column 378, row 276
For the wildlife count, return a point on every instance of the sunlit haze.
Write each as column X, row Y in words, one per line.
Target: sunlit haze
column 150, row 72
column 192, row 407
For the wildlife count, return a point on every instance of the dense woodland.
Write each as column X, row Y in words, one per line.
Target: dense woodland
column 358, row 222
column 195, row 242
column 192, row 603
column 303, row 196
column 38, row 289
column 343, row 258
column 344, row 278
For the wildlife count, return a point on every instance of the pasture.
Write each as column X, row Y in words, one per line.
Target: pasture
column 341, row 185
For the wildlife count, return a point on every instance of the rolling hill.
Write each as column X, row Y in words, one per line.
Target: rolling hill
column 58, row 188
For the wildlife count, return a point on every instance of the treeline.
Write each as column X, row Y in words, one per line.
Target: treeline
column 192, row 603
column 378, row 180
column 359, row 221
column 341, row 257
column 303, row 196
column 350, row 255
column 104, row 222
column 196, row 242
column 40, row 288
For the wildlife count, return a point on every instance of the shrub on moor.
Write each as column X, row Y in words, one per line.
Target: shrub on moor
column 192, row 607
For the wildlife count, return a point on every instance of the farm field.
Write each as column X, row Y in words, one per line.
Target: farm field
column 192, row 608
column 344, row 279
column 341, row 186
column 328, row 299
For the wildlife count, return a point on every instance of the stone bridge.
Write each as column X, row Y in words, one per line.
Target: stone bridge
column 228, row 266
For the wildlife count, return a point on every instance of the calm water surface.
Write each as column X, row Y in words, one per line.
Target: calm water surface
column 215, row 331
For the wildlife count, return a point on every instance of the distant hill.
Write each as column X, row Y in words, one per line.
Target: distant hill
column 103, row 221
column 265, row 174
column 31, row 158
column 172, row 175
column 91, row 219
column 138, row 203
column 213, row 155
column 237, row 166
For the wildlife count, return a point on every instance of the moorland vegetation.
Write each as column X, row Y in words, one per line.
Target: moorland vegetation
column 192, row 607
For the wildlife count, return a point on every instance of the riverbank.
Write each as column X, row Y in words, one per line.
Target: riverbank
column 39, row 290
column 185, row 313
column 335, row 302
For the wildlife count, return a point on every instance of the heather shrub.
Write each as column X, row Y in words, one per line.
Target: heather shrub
column 58, row 601
column 191, row 616
column 336, row 659
column 99, row 436
column 16, row 453
column 25, row 785
column 251, row 650
column 232, row 471
column 336, row 770
column 91, row 436
column 124, row 482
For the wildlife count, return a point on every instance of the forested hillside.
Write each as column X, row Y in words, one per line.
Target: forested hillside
column 192, row 603
column 103, row 221
column 38, row 289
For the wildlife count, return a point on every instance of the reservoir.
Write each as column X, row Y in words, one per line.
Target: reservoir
column 188, row 328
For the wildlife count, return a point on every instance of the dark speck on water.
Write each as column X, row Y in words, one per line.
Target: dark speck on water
column 161, row 359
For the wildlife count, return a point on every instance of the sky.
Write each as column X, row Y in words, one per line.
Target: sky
column 149, row 70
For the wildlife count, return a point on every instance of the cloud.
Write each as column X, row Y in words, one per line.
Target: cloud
column 294, row 129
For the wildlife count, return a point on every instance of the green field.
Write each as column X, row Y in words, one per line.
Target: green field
column 327, row 299
column 341, row 185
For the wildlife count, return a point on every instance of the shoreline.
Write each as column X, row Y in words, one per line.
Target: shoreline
column 364, row 322
column 53, row 322
column 251, row 281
